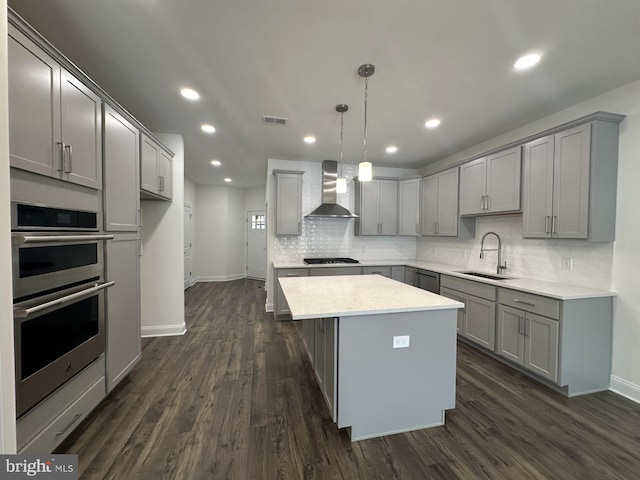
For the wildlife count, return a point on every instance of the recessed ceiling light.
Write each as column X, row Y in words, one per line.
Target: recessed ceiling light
column 227, row 179
column 432, row 123
column 309, row 139
column 206, row 128
column 392, row 149
column 216, row 163
column 190, row 94
column 526, row 61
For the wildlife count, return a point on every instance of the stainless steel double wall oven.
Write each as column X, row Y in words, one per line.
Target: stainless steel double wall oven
column 58, row 296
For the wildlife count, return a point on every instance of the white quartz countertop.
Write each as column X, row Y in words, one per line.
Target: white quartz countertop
column 559, row 291
column 348, row 295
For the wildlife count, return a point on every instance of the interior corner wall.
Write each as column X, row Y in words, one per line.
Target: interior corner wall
column 7, row 383
column 162, row 263
column 219, row 234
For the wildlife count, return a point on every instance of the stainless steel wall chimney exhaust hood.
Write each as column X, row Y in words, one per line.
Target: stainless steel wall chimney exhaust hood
column 329, row 207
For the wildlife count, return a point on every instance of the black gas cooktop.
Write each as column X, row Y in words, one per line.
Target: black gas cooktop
column 323, row 261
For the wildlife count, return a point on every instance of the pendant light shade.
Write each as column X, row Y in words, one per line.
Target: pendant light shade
column 341, row 181
column 341, row 185
column 365, row 169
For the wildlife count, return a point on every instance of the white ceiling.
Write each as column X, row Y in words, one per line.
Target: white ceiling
column 299, row 58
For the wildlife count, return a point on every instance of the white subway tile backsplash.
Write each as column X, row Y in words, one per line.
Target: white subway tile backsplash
column 534, row 258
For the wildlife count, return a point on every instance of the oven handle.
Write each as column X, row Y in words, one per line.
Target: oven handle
column 25, row 312
column 20, row 239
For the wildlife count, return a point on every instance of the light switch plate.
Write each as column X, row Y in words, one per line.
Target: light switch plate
column 401, row 341
column 567, row 263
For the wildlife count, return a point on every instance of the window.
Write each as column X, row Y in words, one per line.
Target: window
column 257, row 222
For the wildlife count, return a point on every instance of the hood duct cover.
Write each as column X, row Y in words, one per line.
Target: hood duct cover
column 329, row 207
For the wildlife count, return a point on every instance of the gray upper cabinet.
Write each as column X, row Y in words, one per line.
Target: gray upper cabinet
column 570, row 177
column 409, row 207
column 121, row 172
column 377, row 205
column 155, row 170
column 55, row 126
column 491, row 184
column 288, row 202
column 440, row 204
column 123, row 307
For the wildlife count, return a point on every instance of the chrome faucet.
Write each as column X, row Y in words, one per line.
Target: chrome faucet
column 501, row 267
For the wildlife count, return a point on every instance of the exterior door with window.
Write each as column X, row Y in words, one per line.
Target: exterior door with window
column 256, row 245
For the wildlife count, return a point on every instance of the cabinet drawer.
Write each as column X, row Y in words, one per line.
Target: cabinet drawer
column 54, row 433
column 477, row 289
column 384, row 271
column 327, row 271
column 528, row 302
column 39, row 417
column 293, row 272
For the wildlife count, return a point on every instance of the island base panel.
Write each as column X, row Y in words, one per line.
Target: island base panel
column 382, row 390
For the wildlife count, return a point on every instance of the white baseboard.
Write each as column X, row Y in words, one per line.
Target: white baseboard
column 268, row 307
column 164, row 330
column 225, row 278
column 625, row 388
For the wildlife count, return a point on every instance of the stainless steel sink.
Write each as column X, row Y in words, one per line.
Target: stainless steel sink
column 490, row 276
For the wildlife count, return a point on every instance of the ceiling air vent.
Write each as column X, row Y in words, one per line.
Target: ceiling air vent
column 269, row 120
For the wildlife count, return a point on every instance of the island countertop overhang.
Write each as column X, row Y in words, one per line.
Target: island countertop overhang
column 351, row 295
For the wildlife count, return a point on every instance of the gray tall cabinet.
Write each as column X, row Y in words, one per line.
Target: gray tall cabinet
column 122, row 218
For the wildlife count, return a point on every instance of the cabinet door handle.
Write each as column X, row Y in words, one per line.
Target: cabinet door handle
column 69, row 158
column 61, row 154
column 292, row 275
column 554, row 225
column 546, row 224
column 486, row 203
column 520, row 325
column 527, row 331
column 524, row 303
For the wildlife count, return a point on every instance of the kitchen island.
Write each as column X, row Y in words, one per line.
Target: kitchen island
column 384, row 352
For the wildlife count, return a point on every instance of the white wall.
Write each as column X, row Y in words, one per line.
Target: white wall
column 622, row 278
column 189, row 192
column 327, row 237
column 219, row 234
column 7, row 386
column 162, row 264
column 255, row 199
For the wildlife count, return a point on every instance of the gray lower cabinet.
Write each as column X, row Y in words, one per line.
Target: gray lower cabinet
column 385, row 271
column 567, row 342
column 427, row 280
column 323, row 355
column 123, row 348
column 282, row 308
column 478, row 324
column 410, row 276
column 121, row 173
column 288, row 202
column 529, row 340
column 334, row 271
column 459, row 297
column 398, row 273
column 45, row 426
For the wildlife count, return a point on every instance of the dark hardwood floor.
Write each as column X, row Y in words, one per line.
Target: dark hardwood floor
column 234, row 398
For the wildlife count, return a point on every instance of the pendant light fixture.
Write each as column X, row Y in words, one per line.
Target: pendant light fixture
column 365, row 169
column 341, row 181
